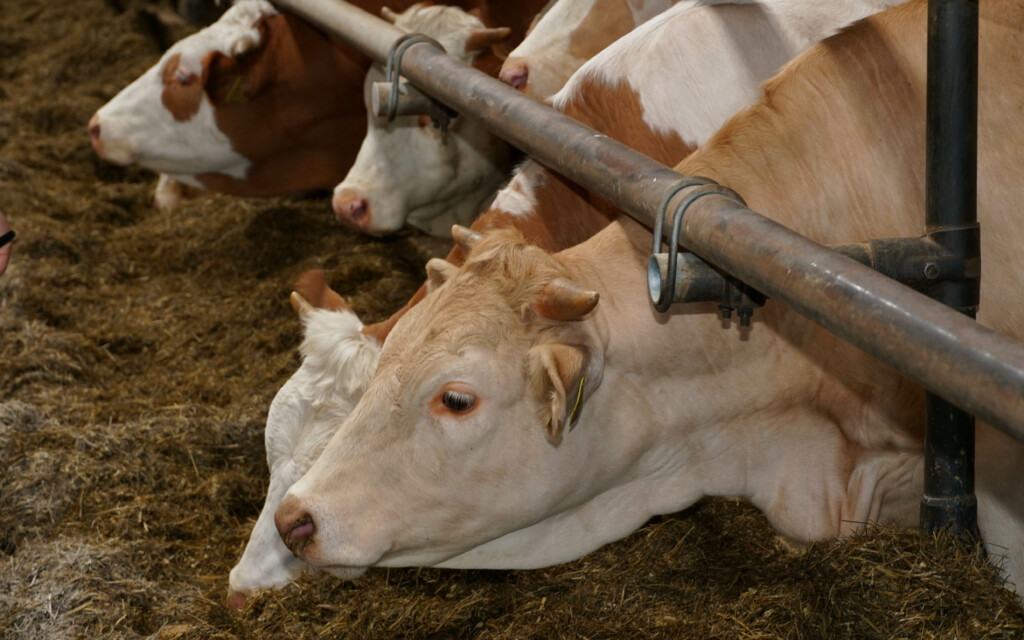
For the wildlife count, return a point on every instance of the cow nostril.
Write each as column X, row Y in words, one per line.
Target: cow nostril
column 360, row 210
column 94, row 130
column 515, row 76
column 301, row 533
column 355, row 212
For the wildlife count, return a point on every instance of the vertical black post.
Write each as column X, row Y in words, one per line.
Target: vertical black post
column 952, row 119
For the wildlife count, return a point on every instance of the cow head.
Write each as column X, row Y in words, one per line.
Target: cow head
column 465, row 437
column 338, row 362
column 567, row 35
column 407, row 170
column 258, row 103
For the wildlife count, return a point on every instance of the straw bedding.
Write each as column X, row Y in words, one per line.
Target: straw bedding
column 139, row 352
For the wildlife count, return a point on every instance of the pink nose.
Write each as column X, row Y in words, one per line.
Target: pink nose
column 351, row 211
column 237, row 599
column 515, row 74
column 295, row 525
column 94, row 133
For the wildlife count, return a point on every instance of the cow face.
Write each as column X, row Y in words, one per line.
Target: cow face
column 164, row 120
column 462, row 437
column 407, row 170
column 338, row 362
column 567, row 35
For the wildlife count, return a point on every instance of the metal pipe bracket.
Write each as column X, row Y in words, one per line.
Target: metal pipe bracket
column 731, row 295
column 440, row 114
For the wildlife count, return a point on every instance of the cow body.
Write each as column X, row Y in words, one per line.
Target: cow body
column 257, row 104
column 618, row 100
column 410, row 171
column 511, row 423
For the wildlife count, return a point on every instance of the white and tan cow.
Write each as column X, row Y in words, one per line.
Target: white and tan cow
column 257, row 104
column 408, row 171
column 628, row 103
column 514, row 421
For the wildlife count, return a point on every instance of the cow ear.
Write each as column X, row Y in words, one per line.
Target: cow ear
column 557, row 378
column 438, row 272
column 300, row 305
column 224, row 79
column 311, row 291
column 240, row 75
column 481, row 39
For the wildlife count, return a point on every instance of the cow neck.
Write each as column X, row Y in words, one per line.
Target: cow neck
column 755, row 416
column 313, row 158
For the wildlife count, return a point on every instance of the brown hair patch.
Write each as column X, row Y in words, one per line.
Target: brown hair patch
column 183, row 92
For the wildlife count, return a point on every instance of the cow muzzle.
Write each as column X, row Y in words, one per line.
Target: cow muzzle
column 116, row 151
column 351, row 209
column 515, row 73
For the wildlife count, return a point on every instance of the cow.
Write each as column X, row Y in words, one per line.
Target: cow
column 257, row 104
column 408, row 171
column 535, row 406
column 568, row 34
column 625, row 101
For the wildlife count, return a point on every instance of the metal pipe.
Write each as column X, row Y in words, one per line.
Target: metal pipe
column 948, row 353
column 951, row 220
column 411, row 102
column 915, row 262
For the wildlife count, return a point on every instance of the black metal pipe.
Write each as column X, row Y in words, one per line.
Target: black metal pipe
column 952, row 222
column 945, row 351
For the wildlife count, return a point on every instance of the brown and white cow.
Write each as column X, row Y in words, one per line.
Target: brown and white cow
column 513, row 421
column 257, row 104
column 408, row 171
column 569, row 33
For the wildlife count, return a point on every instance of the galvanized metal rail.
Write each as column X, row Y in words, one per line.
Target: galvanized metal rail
column 973, row 367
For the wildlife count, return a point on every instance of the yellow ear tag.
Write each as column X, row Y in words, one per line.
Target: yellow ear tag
column 236, row 94
column 579, row 395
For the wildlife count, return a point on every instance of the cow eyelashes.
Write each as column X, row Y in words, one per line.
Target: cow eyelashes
column 457, row 402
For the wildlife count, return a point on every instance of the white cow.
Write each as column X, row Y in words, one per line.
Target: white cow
column 302, row 418
column 408, row 171
column 630, row 102
column 513, row 421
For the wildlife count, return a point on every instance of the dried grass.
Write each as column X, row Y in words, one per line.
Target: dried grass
column 138, row 355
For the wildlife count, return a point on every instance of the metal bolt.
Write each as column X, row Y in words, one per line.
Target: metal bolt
column 931, row 270
column 745, row 315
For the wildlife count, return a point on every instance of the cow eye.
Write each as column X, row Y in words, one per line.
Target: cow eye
column 457, row 402
column 183, row 78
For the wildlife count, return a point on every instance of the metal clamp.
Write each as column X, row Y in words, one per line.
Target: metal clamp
column 440, row 114
column 662, row 290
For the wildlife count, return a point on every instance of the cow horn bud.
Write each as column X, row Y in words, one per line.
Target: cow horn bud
column 563, row 299
column 388, row 15
column 482, row 38
column 465, row 237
